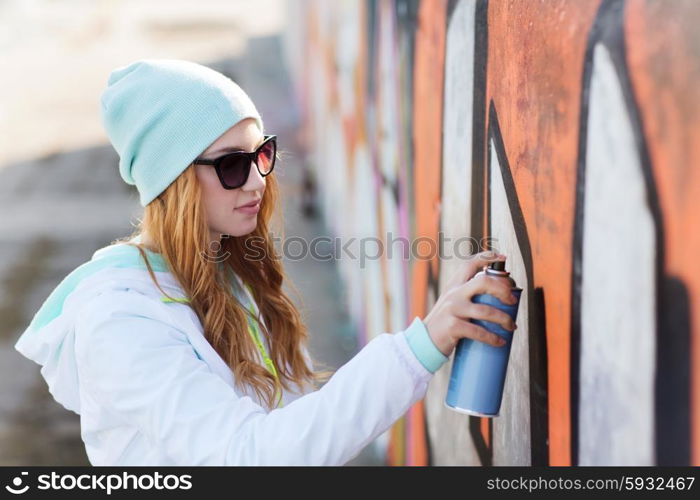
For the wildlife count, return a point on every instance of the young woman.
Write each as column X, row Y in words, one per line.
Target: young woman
column 177, row 345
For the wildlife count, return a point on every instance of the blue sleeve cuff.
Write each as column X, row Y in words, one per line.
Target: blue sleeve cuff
column 423, row 347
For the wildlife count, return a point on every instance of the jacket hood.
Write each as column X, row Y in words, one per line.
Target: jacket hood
column 49, row 339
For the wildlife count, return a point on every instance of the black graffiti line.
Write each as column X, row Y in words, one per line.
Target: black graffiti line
column 537, row 341
column 672, row 424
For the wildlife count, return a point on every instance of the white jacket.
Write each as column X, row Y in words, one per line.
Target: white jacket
column 151, row 390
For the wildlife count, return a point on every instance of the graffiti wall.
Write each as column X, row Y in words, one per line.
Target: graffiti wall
column 566, row 132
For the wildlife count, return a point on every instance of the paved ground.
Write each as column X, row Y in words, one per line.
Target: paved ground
column 57, row 210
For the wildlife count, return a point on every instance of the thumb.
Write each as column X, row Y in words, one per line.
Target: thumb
column 477, row 262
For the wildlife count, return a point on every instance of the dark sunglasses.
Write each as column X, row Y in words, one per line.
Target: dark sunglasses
column 233, row 168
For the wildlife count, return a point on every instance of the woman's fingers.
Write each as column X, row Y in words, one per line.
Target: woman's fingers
column 476, row 332
column 473, row 265
column 448, row 320
column 498, row 287
column 478, row 261
column 486, row 312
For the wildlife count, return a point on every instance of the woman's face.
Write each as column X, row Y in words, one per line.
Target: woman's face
column 221, row 205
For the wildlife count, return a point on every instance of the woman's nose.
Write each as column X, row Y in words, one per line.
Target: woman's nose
column 255, row 180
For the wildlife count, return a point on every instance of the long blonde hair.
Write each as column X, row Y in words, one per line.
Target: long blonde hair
column 176, row 225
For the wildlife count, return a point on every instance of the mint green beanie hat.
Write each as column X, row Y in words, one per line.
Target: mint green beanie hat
column 160, row 114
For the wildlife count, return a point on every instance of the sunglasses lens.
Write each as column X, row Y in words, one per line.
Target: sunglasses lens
column 266, row 158
column 234, row 170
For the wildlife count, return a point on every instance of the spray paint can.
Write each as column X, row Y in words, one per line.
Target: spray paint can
column 479, row 369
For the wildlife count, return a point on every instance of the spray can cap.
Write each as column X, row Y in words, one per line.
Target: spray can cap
column 498, row 268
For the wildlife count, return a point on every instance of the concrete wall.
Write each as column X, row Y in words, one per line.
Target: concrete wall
column 568, row 132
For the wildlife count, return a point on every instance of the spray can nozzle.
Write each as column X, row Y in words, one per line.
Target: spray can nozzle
column 498, row 268
column 498, row 265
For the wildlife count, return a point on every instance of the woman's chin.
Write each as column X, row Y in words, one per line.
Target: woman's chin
column 242, row 228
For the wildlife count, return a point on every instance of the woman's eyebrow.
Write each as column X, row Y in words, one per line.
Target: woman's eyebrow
column 231, row 149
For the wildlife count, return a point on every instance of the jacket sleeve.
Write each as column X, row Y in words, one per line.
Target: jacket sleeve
column 139, row 365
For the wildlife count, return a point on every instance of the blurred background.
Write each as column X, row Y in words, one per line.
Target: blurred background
column 61, row 196
column 567, row 131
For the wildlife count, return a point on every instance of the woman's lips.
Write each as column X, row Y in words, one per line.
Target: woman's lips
column 249, row 209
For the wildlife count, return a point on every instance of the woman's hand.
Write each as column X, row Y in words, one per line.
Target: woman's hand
column 448, row 320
